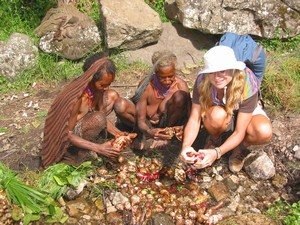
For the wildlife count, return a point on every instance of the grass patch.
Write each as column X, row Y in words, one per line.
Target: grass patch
column 48, row 69
column 281, row 83
column 285, row 213
column 3, row 130
column 18, row 16
column 159, row 7
column 42, row 114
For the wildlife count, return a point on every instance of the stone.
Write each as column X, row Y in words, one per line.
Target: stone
column 219, row 191
column 232, row 182
column 16, row 55
column 160, row 218
column 185, row 43
column 259, row 166
column 270, row 19
column 297, row 154
column 67, row 32
column 129, row 24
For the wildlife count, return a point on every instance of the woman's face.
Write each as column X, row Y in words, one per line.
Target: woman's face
column 220, row 79
column 104, row 82
column 166, row 75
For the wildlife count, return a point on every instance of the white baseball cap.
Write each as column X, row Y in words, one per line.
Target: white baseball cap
column 221, row 58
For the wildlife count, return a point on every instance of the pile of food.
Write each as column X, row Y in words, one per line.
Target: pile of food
column 146, row 188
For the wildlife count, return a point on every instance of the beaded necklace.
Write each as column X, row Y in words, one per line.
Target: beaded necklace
column 161, row 90
column 90, row 96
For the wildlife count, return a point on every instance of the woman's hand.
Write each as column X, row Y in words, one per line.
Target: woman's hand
column 108, row 150
column 158, row 134
column 178, row 132
column 188, row 155
column 209, row 156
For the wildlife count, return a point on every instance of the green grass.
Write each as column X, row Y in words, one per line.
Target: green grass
column 281, row 83
column 158, row 6
column 285, row 213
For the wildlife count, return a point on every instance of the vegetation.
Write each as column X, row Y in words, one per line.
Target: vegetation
column 33, row 195
column 280, row 87
column 158, row 6
column 285, row 213
column 28, row 202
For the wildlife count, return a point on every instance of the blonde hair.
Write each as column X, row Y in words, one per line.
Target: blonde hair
column 233, row 93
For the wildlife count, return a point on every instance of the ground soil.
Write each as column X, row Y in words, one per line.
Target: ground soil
column 23, row 114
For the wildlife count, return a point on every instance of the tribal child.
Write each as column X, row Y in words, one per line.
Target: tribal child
column 161, row 100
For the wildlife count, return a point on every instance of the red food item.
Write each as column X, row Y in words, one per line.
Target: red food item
column 199, row 157
column 147, row 177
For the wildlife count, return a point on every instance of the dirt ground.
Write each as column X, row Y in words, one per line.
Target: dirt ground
column 22, row 118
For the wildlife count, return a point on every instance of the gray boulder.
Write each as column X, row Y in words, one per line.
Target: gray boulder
column 264, row 18
column 68, row 32
column 129, row 24
column 17, row 54
column 259, row 166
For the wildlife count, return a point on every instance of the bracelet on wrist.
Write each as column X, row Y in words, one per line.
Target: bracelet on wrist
column 218, row 152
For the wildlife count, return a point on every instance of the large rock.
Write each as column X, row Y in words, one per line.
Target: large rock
column 129, row 24
column 265, row 18
column 259, row 166
column 188, row 45
column 16, row 55
column 68, row 32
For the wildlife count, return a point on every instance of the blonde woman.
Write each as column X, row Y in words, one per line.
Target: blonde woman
column 225, row 97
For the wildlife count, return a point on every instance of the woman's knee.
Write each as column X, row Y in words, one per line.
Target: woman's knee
column 216, row 114
column 120, row 105
column 264, row 131
column 261, row 128
column 112, row 95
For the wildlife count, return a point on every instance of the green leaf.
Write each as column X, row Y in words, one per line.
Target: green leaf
column 30, row 217
column 16, row 213
column 59, row 181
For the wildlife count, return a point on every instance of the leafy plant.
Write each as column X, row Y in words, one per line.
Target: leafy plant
column 288, row 214
column 96, row 190
column 33, row 201
column 56, row 178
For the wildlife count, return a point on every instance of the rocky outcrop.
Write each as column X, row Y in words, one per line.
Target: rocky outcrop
column 67, row 32
column 16, row 55
column 129, row 24
column 264, row 18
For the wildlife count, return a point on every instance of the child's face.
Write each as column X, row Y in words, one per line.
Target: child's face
column 166, row 75
column 104, row 82
column 220, row 79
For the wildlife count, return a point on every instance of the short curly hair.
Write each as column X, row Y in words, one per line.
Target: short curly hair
column 163, row 58
column 108, row 67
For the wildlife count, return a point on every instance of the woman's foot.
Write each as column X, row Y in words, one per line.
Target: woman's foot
column 237, row 159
